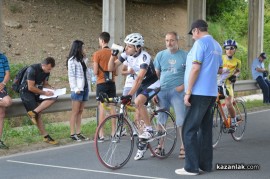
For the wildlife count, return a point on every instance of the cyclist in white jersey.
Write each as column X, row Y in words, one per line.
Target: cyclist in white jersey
column 145, row 86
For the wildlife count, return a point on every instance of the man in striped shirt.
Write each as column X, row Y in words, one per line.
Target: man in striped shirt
column 5, row 99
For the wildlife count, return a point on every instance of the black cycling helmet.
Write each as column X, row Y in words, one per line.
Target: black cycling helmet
column 230, row 42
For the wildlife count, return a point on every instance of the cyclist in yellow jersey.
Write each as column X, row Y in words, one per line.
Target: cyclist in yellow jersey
column 231, row 69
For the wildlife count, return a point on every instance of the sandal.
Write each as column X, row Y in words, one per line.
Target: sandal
column 157, row 151
column 182, row 153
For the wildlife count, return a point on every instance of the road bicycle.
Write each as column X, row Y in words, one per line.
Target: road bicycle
column 120, row 130
column 222, row 120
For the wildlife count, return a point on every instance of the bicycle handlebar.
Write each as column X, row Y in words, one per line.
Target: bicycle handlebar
column 103, row 98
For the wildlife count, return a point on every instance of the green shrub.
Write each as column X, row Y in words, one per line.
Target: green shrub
column 229, row 19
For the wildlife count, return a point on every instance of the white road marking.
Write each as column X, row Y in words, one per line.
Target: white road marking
column 81, row 169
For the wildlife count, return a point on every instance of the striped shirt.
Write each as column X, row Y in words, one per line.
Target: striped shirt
column 4, row 66
column 76, row 76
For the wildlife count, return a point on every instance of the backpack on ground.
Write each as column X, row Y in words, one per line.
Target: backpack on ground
column 18, row 79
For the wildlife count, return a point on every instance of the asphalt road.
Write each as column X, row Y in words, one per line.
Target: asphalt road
column 79, row 160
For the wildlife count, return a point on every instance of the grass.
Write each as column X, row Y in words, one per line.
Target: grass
column 255, row 105
column 29, row 134
column 14, row 137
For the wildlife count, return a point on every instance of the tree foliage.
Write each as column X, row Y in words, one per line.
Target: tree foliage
column 229, row 19
column 215, row 8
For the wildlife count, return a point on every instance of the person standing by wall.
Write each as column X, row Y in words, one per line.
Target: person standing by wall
column 5, row 100
column 203, row 63
column 259, row 73
column 105, row 78
column 78, row 77
column 170, row 68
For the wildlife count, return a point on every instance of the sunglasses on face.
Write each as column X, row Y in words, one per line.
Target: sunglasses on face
column 229, row 48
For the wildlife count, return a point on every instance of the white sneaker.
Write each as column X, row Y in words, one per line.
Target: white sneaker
column 139, row 154
column 146, row 135
column 182, row 171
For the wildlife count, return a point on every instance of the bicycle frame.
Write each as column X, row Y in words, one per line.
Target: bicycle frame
column 222, row 123
column 226, row 121
column 237, row 111
column 116, row 146
column 123, row 112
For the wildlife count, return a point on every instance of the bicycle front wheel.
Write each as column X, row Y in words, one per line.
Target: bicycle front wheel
column 241, row 117
column 217, row 126
column 165, row 131
column 116, row 146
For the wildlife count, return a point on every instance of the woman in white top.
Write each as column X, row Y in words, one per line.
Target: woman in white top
column 78, row 77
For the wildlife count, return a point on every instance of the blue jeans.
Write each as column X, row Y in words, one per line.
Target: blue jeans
column 168, row 98
column 197, row 134
column 265, row 86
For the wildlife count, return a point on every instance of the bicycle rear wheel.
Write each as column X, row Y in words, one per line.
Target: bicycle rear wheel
column 117, row 147
column 217, row 126
column 241, row 117
column 165, row 131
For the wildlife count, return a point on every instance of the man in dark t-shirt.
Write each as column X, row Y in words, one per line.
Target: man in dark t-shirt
column 34, row 80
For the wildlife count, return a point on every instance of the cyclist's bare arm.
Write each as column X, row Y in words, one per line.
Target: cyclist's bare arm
column 125, row 70
column 236, row 72
column 113, row 64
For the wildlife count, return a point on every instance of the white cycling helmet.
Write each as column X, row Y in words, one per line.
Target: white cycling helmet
column 135, row 39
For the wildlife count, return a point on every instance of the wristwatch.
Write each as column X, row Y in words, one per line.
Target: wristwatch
column 188, row 92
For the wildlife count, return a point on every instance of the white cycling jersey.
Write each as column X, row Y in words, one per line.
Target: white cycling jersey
column 142, row 61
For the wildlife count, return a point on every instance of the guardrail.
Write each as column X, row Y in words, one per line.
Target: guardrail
column 63, row 102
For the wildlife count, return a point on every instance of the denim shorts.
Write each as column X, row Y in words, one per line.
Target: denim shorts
column 83, row 96
column 171, row 98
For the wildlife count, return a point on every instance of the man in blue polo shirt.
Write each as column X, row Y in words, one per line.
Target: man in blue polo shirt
column 259, row 73
column 203, row 62
column 5, row 99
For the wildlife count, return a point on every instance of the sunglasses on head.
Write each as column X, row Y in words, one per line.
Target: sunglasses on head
column 229, row 48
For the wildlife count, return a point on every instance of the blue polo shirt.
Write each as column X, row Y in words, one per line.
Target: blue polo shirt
column 208, row 53
column 4, row 66
column 256, row 64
